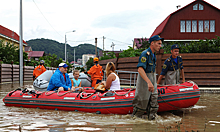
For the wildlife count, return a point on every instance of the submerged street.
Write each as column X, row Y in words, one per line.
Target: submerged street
column 204, row 116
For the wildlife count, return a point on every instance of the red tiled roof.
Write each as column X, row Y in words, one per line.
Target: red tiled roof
column 8, row 33
column 35, row 53
column 160, row 28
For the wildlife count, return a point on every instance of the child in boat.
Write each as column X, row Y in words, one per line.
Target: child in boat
column 76, row 82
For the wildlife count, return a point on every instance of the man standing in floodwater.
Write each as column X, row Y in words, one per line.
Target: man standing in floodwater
column 172, row 68
column 146, row 90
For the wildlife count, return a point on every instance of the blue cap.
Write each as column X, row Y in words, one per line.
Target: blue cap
column 156, row 37
column 175, row 46
column 63, row 65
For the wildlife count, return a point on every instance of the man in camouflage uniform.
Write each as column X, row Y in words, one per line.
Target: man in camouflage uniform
column 146, row 91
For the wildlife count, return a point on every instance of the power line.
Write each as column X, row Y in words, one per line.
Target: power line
column 118, row 41
column 46, row 18
column 85, row 40
column 81, row 40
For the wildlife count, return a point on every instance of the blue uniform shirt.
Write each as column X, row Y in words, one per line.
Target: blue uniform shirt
column 171, row 65
column 147, row 60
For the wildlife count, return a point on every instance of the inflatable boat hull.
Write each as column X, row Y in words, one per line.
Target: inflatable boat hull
column 111, row 102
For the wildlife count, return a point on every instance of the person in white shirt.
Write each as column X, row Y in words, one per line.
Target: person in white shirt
column 112, row 82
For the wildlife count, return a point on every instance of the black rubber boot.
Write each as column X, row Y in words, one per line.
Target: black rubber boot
column 151, row 117
column 137, row 112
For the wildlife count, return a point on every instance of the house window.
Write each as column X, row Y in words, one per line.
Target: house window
column 195, row 7
column 212, row 26
column 200, row 26
column 194, row 26
column 188, row 26
column 201, row 7
column 182, row 26
column 206, row 26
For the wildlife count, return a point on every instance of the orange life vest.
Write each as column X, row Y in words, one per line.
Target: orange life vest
column 39, row 70
column 96, row 72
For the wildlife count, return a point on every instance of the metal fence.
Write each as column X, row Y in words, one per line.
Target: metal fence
column 202, row 68
column 131, row 80
column 10, row 72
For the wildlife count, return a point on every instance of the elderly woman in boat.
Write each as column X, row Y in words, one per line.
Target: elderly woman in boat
column 112, row 82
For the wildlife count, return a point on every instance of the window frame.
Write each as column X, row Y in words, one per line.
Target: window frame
column 197, row 26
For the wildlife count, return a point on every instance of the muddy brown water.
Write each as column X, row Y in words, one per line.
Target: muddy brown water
column 204, row 116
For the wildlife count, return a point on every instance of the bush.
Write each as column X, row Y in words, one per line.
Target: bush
column 10, row 53
column 201, row 46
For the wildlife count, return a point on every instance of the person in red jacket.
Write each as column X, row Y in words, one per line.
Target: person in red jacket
column 39, row 70
column 96, row 72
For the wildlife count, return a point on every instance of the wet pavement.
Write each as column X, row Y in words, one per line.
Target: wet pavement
column 204, row 116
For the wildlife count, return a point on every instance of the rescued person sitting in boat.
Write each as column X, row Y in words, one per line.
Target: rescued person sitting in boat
column 112, row 82
column 60, row 79
column 76, row 82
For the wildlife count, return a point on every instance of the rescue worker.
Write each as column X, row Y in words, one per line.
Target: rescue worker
column 96, row 72
column 146, row 95
column 39, row 70
column 60, row 79
column 172, row 68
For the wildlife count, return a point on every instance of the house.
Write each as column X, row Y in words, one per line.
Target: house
column 28, row 48
column 35, row 54
column 10, row 37
column 197, row 20
column 138, row 42
column 86, row 57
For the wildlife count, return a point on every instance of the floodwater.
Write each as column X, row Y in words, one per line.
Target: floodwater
column 204, row 116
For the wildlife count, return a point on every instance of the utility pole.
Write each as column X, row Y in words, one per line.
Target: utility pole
column 96, row 47
column 113, row 45
column 103, row 43
column 21, row 61
column 74, row 58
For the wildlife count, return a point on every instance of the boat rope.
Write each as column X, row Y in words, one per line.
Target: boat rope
column 78, row 94
column 180, row 85
column 102, row 95
column 14, row 91
column 49, row 93
column 63, row 93
column 89, row 95
column 168, row 103
column 176, row 85
column 125, row 93
column 25, row 90
column 115, row 93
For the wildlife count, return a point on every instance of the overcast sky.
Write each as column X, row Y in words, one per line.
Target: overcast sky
column 120, row 21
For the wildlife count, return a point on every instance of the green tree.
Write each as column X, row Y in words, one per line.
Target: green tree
column 10, row 53
column 89, row 63
column 54, row 47
column 108, row 55
column 130, row 52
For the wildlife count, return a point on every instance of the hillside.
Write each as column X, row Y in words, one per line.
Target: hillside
column 54, row 47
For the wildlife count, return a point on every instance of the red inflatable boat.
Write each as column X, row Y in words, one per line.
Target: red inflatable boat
column 171, row 97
